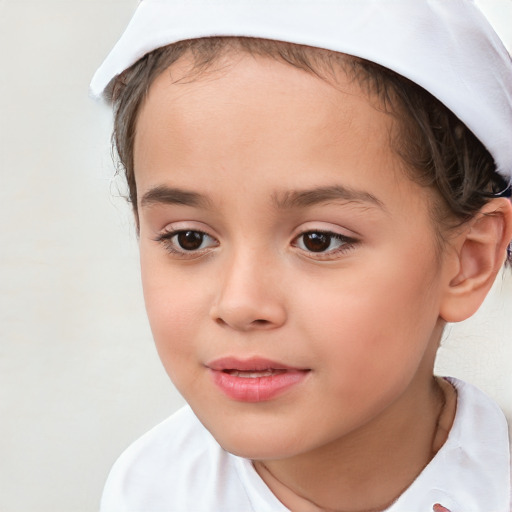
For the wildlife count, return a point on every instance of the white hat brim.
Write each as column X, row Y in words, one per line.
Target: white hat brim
column 445, row 46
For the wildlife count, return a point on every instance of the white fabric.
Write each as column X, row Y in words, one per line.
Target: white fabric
column 178, row 467
column 446, row 46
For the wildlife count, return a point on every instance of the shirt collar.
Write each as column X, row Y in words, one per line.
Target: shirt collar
column 471, row 472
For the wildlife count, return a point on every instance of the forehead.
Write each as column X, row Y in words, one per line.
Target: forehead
column 259, row 124
column 240, row 94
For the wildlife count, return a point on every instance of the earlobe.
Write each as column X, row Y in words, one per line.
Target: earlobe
column 480, row 251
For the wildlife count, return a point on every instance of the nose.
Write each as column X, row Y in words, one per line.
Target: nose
column 249, row 296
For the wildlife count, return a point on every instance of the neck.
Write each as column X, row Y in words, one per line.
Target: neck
column 367, row 470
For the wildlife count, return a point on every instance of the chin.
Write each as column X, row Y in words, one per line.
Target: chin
column 268, row 445
column 257, row 451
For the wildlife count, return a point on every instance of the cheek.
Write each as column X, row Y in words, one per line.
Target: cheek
column 374, row 324
column 175, row 306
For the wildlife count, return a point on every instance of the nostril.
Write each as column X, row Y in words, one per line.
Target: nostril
column 254, row 323
column 244, row 316
column 260, row 322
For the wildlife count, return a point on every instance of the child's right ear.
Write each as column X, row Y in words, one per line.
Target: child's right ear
column 479, row 253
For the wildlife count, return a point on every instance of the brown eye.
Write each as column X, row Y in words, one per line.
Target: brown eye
column 324, row 243
column 316, row 242
column 186, row 242
column 190, row 240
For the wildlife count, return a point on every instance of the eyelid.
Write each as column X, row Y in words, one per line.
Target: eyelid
column 165, row 237
column 349, row 242
column 325, row 227
column 186, row 225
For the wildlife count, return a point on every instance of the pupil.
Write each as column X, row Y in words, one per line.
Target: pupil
column 317, row 242
column 190, row 240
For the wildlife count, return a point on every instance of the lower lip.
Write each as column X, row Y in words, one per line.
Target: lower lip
column 257, row 389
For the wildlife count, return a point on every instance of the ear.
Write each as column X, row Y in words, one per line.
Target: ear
column 479, row 253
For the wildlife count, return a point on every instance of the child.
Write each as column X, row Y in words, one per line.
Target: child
column 319, row 187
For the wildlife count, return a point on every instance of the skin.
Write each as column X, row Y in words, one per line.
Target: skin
column 364, row 317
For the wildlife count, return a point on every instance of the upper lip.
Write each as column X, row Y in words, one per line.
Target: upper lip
column 250, row 364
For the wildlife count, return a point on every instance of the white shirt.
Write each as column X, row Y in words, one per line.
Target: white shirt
column 179, row 467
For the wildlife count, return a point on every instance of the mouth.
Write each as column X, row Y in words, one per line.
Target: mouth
column 255, row 379
column 250, row 365
column 254, row 374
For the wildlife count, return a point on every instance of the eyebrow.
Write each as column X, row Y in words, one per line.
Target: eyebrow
column 288, row 200
column 169, row 195
column 304, row 198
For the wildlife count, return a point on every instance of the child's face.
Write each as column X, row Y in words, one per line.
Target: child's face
column 301, row 247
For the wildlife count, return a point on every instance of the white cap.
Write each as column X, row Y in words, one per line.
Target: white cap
column 446, row 46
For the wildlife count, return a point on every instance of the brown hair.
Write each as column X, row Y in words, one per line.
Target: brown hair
column 438, row 150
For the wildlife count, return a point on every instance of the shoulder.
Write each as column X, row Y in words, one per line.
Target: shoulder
column 482, row 430
column 178, row 466
column 471, row 471
column 175, row 466
column 180, row 436
column 478, row 419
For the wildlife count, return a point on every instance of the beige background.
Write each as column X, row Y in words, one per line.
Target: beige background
column 79, row 378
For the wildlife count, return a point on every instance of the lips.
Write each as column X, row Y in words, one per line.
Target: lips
column 255, row 379
column 254, row 374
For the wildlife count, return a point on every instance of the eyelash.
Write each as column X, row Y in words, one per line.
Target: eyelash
column 171, row 246
column 346, row 243
column 166, row 239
